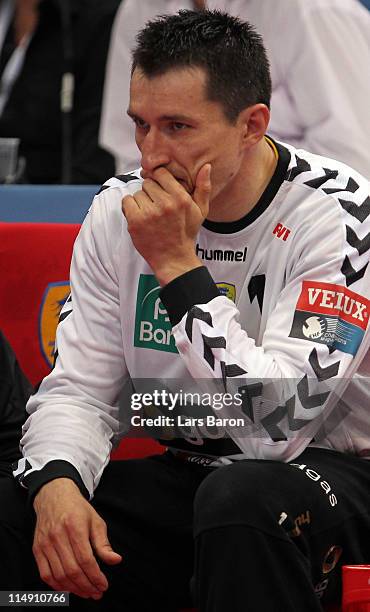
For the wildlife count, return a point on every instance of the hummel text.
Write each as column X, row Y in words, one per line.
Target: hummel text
column 219, row 255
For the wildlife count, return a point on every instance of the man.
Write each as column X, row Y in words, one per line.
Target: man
column 319, row 55
column 277, row 319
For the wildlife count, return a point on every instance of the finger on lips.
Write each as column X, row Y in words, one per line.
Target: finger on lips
column 167, row 181
column 152, row 189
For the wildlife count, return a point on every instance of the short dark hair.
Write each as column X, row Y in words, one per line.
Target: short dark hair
column 228, row 49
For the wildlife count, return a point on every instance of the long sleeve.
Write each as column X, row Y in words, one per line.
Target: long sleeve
column 75, row 412
column 314, row 336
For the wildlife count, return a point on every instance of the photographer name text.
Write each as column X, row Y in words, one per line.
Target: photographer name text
column 185, row 421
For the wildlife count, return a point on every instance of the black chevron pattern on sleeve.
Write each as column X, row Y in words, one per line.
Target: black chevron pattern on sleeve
column 230, row 371
column 310, row 401
column 317, row 182
column 351, row 186
column 64, row 315
column 302, row 166
column 102, row 188
column 270, row 422
column 126, row 178
column 208, row 344
column 247, row 392
column 211, row 342
column 196, row 313
column 359, row 211
column 350, row 273
column 354, row 207
column 361, row 245
column 322, row 373
column 233, row 370
column 55, row 357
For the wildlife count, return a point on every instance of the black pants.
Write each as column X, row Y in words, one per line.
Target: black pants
column 252, row 536
column 15, row 390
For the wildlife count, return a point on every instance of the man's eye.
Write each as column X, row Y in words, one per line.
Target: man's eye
column 176, row 126
column 140, row 123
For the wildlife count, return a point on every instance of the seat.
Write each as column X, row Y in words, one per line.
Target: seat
column 136, row 448
column 35, row 260
column 356, row 588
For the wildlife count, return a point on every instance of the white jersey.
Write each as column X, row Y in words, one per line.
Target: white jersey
column 277, row 319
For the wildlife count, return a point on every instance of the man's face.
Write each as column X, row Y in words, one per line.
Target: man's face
column 178, row 128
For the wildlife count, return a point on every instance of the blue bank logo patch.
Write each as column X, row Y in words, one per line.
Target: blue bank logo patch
column 228, row 290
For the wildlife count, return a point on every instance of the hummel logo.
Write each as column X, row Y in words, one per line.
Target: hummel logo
column 219, row 255
column 281, row 231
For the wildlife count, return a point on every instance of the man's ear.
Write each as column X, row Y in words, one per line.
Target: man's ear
column 254, row 121
column 199, row 5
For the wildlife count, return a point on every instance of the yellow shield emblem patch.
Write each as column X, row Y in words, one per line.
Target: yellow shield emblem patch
column 51, row 304
column 228, row 290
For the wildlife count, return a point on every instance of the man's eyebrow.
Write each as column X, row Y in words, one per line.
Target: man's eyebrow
column 177, row 117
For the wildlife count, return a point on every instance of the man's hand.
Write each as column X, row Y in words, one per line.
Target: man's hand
column 164, row 219
column 68, row 532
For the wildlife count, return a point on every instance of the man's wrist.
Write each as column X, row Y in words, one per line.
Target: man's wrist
column 59, row 482
column 171, row 270
column 194, row 287
column 54, row 469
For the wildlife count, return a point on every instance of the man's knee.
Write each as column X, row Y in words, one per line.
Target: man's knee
column 247, row 492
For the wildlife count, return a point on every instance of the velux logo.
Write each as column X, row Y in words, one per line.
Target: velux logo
column 336, row 300
column 332, row 315
column 281, row 231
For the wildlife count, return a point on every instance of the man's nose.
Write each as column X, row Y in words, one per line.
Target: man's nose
column 154, row 152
